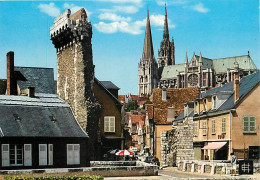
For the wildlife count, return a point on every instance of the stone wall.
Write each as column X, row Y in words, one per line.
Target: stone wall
column 75, row 71
column 177, row 144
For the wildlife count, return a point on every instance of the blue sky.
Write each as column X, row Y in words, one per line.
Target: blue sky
column 216, row 28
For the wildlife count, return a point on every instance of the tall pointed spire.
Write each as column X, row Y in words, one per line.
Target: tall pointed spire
column 165, row 30
column 148, row 42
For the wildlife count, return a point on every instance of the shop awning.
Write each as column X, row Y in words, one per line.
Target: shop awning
column 215, row 145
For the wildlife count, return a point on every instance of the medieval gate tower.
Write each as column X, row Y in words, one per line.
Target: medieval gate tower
column 71, row 36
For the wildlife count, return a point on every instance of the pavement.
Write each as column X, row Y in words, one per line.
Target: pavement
column 172, row 173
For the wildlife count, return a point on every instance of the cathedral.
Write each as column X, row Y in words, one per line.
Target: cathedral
column 200, row 72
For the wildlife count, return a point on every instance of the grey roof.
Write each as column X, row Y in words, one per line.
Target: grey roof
column 35, row 117
column 245, row 62
column 109, row 85
column 219, row 65
column 172, row 71
column 40, row 78
column 180, row 117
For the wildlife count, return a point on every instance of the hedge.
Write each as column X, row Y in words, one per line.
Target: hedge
column 87, row 177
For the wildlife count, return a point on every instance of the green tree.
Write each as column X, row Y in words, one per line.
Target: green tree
column 147, row 102
column 131, row 106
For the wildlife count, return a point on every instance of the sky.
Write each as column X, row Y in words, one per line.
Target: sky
column 216, row 28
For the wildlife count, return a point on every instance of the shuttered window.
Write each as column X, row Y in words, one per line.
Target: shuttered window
column 73, row 154
column 249, row 124
column 223, row 125
column 42, row 154
column 50, row 154
column 213, row 126
column 5, row 155
column 109, row 124
column 204, row 127
column 27, row 155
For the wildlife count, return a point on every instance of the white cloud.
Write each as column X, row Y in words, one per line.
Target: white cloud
column 171, row 2
column 122, row 1
column 49, row 9
column 124, row 9
column 200, row 8
column 74, row 8
column 113, row 17
column 122, row 26
column 135, row 27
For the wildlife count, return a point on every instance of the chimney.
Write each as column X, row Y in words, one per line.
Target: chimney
column 164, row 93
column 11, row 88
column 236, row 82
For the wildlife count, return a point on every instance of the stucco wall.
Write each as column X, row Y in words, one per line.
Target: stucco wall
column 250, row 106
column 158, row 130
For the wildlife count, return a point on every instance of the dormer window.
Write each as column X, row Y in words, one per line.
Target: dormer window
column 214, row 102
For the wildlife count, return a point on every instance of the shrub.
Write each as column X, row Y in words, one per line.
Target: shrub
column 87, row 177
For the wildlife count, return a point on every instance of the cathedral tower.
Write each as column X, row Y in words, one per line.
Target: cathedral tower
column 147, row 68
column 166, row 53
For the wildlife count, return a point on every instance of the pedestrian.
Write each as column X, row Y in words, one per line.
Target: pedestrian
column 233, row 164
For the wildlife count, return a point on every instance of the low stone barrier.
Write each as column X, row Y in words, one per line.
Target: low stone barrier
column 210, row 167
column 116, row 168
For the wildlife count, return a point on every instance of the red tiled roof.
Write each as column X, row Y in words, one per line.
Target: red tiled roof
column 176, row 98
column 137, row 118
column 141, row 103
column 133, row 97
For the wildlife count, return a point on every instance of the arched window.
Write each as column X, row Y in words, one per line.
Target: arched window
column 146, row 79
column 141, row 79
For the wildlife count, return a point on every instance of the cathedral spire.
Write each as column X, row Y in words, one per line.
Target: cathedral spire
column 148, row 42
column 165, row 30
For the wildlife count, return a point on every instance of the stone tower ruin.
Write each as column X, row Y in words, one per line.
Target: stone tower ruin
column 71, row 36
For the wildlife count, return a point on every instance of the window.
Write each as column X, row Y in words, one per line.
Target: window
column 27, row 155
column 223, row 125
column 195, row 130
column 204, row 127
column 214, row 102
column 249, row 124
column 109, row 124
column 50, row 154
column 16, row 154
column 73, row 154
column 213, row 126
column 5, row 155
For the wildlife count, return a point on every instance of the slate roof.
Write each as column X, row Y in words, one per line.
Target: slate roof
column 172, row 71
column 23, row 116
column 219, row 65
column 245, row 62
column 40, row 78
column 109, row 85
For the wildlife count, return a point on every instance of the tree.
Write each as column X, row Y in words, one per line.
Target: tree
column 147, row 102
column 131, row 106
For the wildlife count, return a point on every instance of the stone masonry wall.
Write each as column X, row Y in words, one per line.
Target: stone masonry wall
column 75, row 73
column 177, row 144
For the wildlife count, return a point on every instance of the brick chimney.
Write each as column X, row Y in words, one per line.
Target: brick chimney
column 11, row 88
column 236, row 82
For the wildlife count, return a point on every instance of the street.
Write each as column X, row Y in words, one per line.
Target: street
column 173, row 173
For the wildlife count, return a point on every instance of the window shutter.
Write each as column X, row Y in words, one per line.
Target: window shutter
column 50, row 154
column 76, row 154
column 106, row 124
column 27, row 155
column 223, row 125
column 69, row 154
column 112, row 124
column 42, row 154
column 246, row 124
column 252, row 124
column 5, row 155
